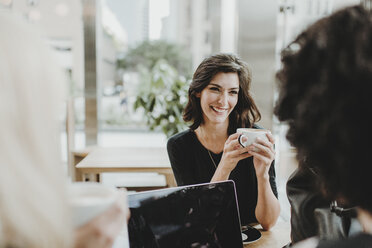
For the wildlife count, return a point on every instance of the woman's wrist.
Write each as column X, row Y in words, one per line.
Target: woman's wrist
column 262, row 173
column 264, row 178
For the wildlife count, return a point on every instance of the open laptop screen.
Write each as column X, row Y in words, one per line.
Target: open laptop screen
column 202, row 215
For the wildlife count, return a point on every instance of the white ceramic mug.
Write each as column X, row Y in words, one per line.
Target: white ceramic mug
column 88, row 199
column 251, row 134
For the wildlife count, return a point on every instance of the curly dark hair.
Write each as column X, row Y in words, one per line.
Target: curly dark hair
column 325, row 92
column 245, row 113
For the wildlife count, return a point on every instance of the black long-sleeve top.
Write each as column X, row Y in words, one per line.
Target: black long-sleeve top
column 191, row 164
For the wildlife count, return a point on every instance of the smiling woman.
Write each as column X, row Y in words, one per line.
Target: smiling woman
column 220, row 102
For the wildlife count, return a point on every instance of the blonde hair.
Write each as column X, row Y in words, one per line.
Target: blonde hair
column 33, row 210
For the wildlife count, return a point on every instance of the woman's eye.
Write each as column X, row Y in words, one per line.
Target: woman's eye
column 234, row 92
column 214, row 89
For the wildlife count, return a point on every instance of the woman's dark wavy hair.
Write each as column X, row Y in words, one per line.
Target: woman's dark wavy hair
column 325, row 98
column 245, row 113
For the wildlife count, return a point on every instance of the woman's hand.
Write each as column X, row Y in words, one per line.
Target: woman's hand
column 233, row 152
column 102, row 231
column 263, row 155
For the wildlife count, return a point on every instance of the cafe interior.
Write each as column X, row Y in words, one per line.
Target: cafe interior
column 122, row 59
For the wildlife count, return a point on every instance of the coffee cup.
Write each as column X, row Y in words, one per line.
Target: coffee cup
column 88, row 199
column 249, row 135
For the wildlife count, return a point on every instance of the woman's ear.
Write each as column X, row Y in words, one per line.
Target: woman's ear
column 197, row 94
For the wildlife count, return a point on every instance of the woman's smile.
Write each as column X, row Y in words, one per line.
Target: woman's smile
column 219, row 110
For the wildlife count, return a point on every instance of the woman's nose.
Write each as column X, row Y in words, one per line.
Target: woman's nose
column 223, row 98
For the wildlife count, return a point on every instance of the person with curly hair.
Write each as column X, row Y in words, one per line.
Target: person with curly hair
column 220, row 102
column 325, row 91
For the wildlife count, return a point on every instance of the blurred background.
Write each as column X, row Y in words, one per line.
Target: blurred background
column 129, row 62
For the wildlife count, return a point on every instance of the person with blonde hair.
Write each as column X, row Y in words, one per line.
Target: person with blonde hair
column 33, row 202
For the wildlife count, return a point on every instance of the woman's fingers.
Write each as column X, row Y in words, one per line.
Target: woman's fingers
column 268, row 143
column 263, row 152
column 245, row 155
column 232, row 138
column 232, row 143
column 263, row 149
column 261, row 157
column 238, row 151
column 270, row 137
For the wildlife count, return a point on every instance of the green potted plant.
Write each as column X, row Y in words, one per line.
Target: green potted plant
column 163, row 97
column 164, row 71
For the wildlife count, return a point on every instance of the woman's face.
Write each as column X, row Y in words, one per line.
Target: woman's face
column 219, row 98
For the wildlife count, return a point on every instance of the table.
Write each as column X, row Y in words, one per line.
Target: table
column 277, row 237
column 124, row 159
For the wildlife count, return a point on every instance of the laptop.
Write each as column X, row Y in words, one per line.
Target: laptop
column 200, row 215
